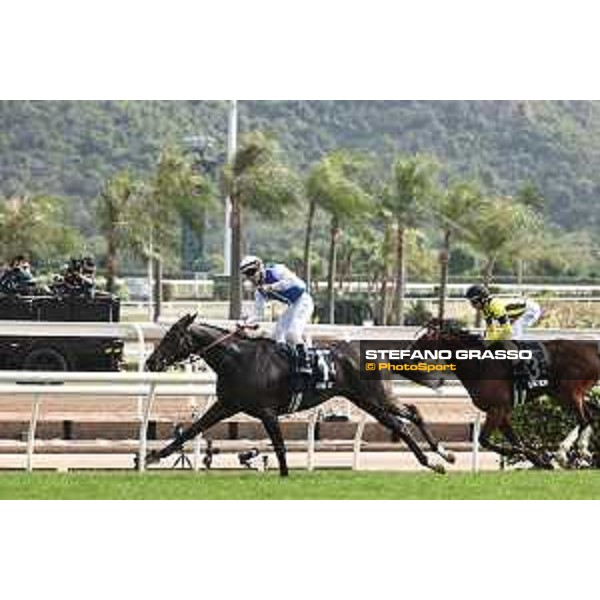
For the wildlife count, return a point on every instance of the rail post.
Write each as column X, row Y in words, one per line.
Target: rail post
column 144, row 427
column 35, row 412
column 475, row 443
column 312, row 426
column 197, row 452
column 142, row 352
column 360, row 428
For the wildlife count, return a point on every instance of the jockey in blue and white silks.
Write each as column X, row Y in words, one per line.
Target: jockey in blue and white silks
column 277, row 282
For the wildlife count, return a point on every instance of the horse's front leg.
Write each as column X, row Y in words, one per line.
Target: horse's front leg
column 498, row 419
column 534, row 457
column 271, row 424
column 215, row 414
column 493, row 420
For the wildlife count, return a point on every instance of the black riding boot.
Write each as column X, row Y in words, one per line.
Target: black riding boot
column 521, row 378
column 303, row 365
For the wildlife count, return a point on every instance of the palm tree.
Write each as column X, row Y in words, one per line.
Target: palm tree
column 454, row 211
column 116, row 211
column 258, row 180
column 174, row 192
column 410, row 188
column 337, row 185
column 503, row 228
column 38, row 227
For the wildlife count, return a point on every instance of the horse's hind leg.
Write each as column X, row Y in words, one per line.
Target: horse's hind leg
column 271, row 424
column 499, row 419
column 397, row 426
column 574, row 395
column 216, row 413
column 411, row 413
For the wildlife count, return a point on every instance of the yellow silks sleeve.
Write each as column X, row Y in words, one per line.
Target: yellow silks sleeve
column 498, row 332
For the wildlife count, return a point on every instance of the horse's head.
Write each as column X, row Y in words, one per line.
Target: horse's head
column 174, row 347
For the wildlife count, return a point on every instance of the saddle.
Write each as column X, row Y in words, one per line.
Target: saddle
column 322, row 377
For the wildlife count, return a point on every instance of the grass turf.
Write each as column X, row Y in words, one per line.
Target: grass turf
column 338, row 485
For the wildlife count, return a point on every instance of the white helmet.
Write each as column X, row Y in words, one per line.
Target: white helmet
column 250, row 265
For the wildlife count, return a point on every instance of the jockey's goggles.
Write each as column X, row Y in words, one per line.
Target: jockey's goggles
column 251, row 272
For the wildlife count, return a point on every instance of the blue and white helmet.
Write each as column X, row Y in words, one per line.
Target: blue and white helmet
column 251, row 265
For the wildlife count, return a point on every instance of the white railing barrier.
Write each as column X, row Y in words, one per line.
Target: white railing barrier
column 476, row 429
column 145, row 385
column 148, row 386
column 360, row 428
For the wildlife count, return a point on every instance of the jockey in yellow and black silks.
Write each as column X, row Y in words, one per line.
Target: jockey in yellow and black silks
column 505, row 318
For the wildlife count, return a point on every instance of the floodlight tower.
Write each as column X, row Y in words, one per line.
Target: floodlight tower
column 231, row 149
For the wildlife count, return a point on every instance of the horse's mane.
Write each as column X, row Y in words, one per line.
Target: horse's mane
column 452, row 327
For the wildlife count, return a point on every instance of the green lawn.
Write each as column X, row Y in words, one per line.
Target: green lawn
column 300, row 485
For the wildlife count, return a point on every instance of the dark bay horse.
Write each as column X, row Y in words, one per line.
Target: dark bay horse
column 574, row 368
column 253, row 377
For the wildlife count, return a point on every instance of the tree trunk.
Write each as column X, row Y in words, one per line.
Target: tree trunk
column 444, row 258
column 235, row 282
column 334, row 232
column 111, row 261
column 157, row 291
column 307, row 241
column 383, row 296
column 487, row 274
column 400, row 282
column 520, row 272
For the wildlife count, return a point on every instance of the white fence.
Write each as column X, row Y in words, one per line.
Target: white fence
column 147, row 387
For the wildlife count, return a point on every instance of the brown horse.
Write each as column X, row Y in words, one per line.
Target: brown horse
column 574, row 368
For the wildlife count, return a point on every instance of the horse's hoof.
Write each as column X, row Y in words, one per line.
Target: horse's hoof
column 450, row 457
column 136, row 462
column 581, row 463
column 562, row 459
column 438, row 468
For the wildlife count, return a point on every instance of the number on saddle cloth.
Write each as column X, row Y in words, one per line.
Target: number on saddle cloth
column 323, row 374
column 322, row 362
column 538, row 375
column 324, row 368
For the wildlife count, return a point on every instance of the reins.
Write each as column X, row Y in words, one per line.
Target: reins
column 201, row 354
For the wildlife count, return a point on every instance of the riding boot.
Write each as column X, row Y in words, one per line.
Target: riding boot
column 302, row 370
column 521, row 379
column 304, row 365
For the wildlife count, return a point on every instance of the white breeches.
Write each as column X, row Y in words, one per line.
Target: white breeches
column 290, row 326
column 530, row 317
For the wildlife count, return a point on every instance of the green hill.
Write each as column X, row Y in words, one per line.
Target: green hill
column 69, row 148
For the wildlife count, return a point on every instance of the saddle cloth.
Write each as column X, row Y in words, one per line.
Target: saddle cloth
column 323, row 367
column 532, row 374
column 322, row 378
column 538, row 367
